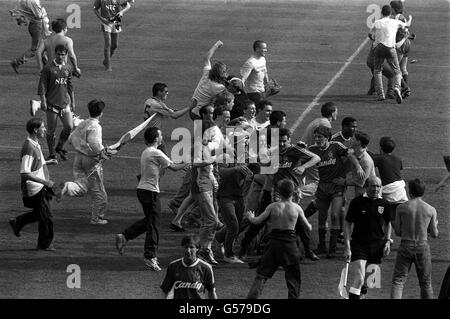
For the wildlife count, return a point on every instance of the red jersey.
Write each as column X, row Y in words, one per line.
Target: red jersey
column 188, row 282
column 331, row 164
column 292, row 157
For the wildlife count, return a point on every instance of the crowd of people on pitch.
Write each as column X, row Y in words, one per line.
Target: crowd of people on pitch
column 243, row 177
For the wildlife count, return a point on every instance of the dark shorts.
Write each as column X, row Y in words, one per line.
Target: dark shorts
column 328, row 191
column 281, row 250
column 194, row 116
column 371, row 251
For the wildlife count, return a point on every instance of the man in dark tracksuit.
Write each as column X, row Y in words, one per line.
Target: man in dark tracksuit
column 369, row 217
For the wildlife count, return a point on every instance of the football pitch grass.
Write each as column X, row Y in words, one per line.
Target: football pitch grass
column 317, row 52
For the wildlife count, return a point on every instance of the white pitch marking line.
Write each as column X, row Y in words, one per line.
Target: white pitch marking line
column 330, row 84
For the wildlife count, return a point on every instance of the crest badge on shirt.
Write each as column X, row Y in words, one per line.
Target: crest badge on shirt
column 380, row 209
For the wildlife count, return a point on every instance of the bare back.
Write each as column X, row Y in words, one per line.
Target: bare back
column 284, row 215
column 414, row 218
column 51, row 42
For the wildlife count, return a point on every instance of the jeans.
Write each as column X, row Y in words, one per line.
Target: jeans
column 409, row 252
column 209, row 218
column 149, row 224
column 40, row 203
column 36, row 31
column 382, row 53
column 184, row 189
column 231, row 210
column 82, row 166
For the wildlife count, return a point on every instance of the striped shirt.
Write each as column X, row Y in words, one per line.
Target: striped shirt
column 32, row 162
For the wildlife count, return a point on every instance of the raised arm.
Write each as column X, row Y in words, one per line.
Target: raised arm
column 126, row 6
column 211, row 51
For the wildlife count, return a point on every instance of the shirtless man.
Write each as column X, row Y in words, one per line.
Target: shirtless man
column 413, row 221
column 282, row 249
column 59, row 26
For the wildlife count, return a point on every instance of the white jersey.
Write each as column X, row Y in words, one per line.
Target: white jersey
column 253, row 73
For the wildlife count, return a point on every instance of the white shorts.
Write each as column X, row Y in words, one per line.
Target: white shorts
column 61, row 111
column 110, row 28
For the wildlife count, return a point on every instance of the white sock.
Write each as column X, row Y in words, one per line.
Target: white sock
column 355, row 291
